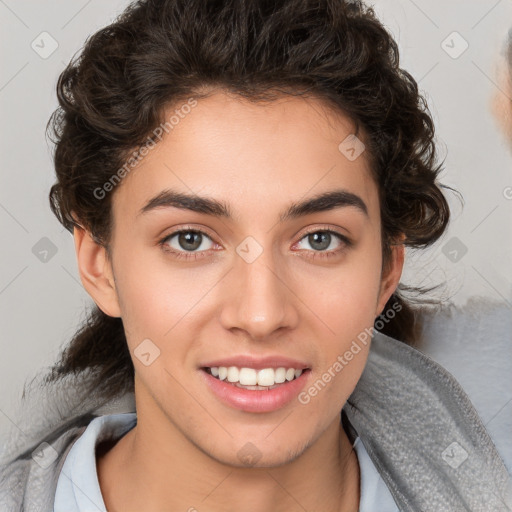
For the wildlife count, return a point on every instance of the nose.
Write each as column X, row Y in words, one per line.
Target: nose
column 257, row 297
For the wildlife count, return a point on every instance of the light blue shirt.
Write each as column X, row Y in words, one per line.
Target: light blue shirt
column 78, row 489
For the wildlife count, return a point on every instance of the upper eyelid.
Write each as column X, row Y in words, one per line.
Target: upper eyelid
column 324, row 229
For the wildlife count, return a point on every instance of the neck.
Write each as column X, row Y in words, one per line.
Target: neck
column 156, row 467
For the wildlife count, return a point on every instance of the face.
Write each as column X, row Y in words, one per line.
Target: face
column 252, row 284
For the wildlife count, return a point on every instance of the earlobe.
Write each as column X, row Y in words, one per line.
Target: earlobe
column 96, row 272
column 390, row 280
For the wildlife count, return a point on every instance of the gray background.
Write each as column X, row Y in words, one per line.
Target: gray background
column 41, row 297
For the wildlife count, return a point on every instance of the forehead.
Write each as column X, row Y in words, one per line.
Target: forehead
column 255, row 156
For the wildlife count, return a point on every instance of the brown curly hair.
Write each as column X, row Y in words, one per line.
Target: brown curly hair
column 160, row 52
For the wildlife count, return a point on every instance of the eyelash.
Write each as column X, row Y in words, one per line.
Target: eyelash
column 197, row 255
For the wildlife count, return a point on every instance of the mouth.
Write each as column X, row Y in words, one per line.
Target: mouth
column 251, row 390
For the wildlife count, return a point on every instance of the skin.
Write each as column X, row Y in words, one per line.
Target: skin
column 182, row 455
column 501, row 99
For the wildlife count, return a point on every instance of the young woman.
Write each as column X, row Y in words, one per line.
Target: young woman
column 241, row 179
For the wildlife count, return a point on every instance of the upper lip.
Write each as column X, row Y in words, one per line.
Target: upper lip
column 258, row 363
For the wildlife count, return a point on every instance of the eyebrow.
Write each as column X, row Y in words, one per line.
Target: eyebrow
column 323, row 202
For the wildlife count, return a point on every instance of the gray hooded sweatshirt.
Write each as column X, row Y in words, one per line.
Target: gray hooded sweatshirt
column 415, row 421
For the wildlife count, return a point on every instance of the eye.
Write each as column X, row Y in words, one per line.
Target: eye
column 186, row 241
column 322, row 239
column 193, row 244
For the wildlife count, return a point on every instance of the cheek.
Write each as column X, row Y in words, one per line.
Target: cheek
column 343, row 301
column 148, row 294
column 345, row 297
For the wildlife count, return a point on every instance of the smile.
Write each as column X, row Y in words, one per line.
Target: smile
column 251, row 390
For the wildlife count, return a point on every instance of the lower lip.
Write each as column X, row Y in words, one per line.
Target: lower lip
column 256, row 400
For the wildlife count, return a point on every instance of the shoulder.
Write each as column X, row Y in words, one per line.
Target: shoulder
column 28, row 480
column 422, row 432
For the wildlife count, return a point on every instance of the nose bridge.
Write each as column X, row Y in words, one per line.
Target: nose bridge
column 257, row 300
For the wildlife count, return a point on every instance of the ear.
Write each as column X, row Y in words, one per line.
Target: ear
column 391, row 277
column 96, row 272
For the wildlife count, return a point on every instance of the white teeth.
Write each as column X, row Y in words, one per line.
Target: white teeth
column 250, row 377
column 280, row 375
column 256, row 388
column 247, row 377
column 266, row 377
column 233, row 374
